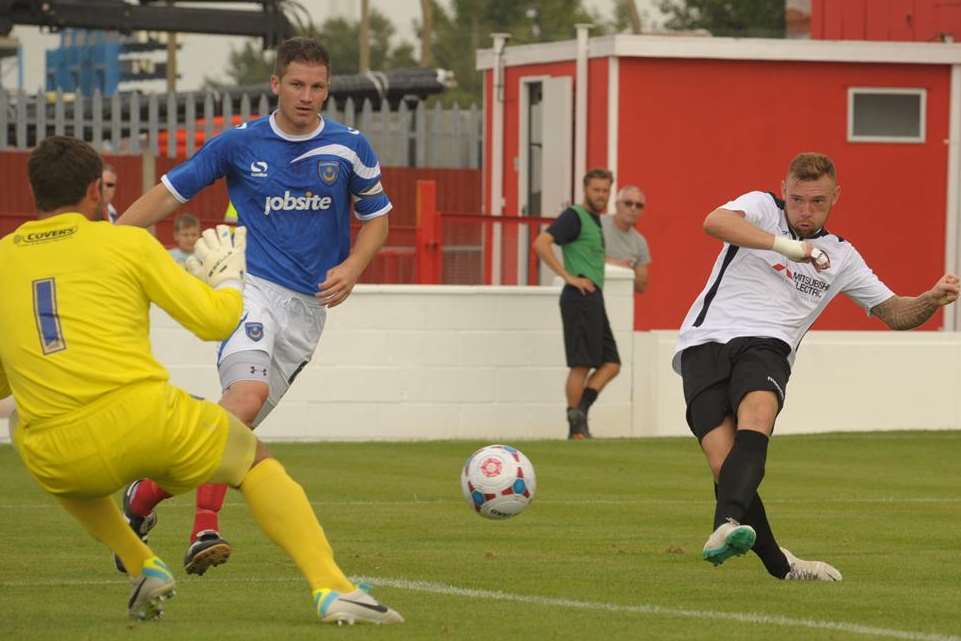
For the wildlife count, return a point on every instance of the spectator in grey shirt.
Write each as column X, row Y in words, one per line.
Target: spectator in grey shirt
column 624, row 245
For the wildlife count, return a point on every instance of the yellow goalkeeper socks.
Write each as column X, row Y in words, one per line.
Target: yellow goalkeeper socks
column 102, row 519
column 280, row 507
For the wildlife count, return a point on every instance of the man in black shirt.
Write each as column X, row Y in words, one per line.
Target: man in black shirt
column 588, row 340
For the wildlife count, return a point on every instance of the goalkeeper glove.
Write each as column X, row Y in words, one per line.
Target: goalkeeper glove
column 218, row 258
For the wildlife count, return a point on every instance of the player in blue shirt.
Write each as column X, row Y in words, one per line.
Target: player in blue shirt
column 293, row 177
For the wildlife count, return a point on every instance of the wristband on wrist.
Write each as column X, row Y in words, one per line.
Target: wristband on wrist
column 793, row 249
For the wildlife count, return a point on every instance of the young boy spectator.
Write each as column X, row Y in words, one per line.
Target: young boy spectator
column 186, row 233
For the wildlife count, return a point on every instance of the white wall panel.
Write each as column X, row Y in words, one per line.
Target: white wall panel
column 437, row 362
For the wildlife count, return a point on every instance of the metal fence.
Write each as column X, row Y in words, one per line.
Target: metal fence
column 176, row 125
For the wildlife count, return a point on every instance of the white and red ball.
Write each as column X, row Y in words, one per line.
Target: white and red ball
column 498, row 481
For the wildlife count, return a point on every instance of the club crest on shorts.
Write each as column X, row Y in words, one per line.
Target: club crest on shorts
column 255, row 331
column 328, row 171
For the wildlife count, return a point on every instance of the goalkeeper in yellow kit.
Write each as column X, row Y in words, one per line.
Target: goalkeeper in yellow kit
column 96, row 411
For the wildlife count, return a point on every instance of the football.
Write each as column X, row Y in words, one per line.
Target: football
column 498, row 481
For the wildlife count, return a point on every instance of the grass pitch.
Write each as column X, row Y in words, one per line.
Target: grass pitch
column 610, row 548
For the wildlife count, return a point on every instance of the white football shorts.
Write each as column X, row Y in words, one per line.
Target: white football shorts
column 276, row 338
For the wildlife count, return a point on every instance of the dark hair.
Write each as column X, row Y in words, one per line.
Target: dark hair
column 60, row 171
column 300, row 49
column 811, row 166
column 601, row 174
column 184, row 221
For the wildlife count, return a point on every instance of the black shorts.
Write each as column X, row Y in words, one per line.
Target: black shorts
column 716, row 377
column 588, row 339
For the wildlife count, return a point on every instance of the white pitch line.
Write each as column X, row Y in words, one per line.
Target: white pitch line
column 740, row 617
column 533, row 599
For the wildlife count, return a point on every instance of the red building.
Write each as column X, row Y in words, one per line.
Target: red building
column 696, row 121
column 906, row 20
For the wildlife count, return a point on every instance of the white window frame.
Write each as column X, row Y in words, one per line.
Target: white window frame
column 923, row 93
column 523, row 179
column 523, row 138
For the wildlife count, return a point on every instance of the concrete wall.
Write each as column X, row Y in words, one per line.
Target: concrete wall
column 437, row 362
column 841, row 381
column 426, row 362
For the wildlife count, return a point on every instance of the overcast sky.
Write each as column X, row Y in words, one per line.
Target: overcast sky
column 206, row 55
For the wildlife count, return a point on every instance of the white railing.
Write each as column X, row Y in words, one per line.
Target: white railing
column 132, row 123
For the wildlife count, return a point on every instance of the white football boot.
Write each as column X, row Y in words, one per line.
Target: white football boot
column 729, row 539
column 802, row 570
column 353, row 607
column 149, row 590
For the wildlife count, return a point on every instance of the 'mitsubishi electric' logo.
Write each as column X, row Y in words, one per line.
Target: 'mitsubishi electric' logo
column 289, row 203
column 802, row 282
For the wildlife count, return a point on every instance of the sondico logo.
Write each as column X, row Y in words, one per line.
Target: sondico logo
column 35, row 237
column 258, row 169
column 287, row 202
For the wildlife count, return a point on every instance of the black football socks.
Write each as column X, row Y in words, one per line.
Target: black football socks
column 587, row 399
column 740, row 476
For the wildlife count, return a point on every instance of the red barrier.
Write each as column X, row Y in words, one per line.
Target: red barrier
column 429, row 249
column 462, row 233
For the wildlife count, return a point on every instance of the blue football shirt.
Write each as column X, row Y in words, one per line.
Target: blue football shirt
column 293, row 193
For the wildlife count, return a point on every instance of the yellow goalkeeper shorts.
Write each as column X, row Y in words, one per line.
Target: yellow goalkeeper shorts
column 148, row 430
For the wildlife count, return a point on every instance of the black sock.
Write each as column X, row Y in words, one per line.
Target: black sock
column 765, row 546
column 587, row 399
column 740, row 476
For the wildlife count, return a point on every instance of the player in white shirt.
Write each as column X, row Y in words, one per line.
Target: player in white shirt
column 777, row 271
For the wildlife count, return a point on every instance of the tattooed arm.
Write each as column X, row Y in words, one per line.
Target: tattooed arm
column 907, row 312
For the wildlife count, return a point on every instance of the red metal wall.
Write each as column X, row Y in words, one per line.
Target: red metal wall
column 597, row 75
column 16, row 201
column 917, row 20
column 458, row 191
column 696, row 133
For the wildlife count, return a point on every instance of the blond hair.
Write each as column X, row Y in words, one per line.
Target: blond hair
column 185, row 220
column 811, row 165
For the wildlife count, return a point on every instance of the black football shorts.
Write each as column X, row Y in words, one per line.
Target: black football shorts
column 588, row 339
column 717, row 376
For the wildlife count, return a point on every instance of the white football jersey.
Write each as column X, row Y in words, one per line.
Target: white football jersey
column 758, row 292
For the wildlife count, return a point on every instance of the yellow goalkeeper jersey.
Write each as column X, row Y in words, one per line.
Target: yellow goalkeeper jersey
column 74, row 308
